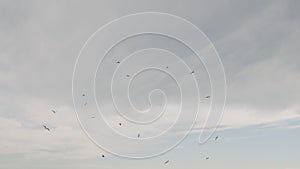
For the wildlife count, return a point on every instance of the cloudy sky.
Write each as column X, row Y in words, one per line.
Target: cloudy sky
column 257, row 42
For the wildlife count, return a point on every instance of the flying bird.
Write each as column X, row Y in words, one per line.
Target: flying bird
column 166, row 162
column 127, row 75
column 92, row 117
column 103, row 156
column 46, row 128
column 193, row 72
column 138, row 135
column 167, row 67
column 207, row 97
column 217, row 138
column 120, row 124
column 207, row 158
column 53, row 111
column 83, row 94
column 118, row 62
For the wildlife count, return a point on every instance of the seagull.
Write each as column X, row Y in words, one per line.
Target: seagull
column 166, row 162
column 192, row 72
column 207, row 158
column 138, row 135
column 127, row 75
column 120, row 124
column 103, row 156
column 46, row 128
column 53, row 111
column 217, row 138
column 207, row 97
column 83, row 94
column 118, row 62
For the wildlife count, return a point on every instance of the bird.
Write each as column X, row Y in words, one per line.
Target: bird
column 207, row 158
column 83, row 94
column 102, row 156
column 92, row 117
column 118, row 61
column 167, row 67
column 85, row 103
column 217, row 138
column 53, row 111
column 127, row 75
column 192, row 72
column 46, row 128
column 207, row 97
column 166, row 162
column 138, row 135
column 120, row 124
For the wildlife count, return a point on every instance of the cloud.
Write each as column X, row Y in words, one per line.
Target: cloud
column 258, row 44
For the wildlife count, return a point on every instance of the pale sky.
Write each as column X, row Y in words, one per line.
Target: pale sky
column 257, row 42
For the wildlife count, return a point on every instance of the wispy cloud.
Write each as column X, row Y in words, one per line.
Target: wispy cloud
column 258, row 44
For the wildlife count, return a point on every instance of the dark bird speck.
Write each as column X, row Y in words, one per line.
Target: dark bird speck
column 46, row 128
column 217, row 138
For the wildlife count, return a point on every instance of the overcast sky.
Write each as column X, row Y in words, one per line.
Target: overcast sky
column 258, row 43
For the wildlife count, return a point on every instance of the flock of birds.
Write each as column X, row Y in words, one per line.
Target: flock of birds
column 120, row 124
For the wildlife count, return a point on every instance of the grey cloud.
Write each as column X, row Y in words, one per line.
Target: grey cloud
column 39, row 42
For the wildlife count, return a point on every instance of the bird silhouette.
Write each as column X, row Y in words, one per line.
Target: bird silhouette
column 138, row 135
column 193, row 72
column 217, row 138
column 166, row 162
column 207, row 97
column 167, row 67
column 102, row 156
column 127, row 75
column 92, row 117
column 53, row 111
column 83, row 94
column 120, row 124
column 46, row 128
column 207, row 158
column 118, row 62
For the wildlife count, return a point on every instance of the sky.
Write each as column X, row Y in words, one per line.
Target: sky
column 257, row 42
